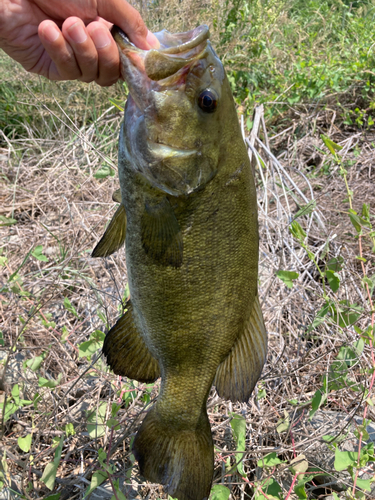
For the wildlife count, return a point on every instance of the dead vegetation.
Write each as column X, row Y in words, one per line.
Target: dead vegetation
column 58, row 190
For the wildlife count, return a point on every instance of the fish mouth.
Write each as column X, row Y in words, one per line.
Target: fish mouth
column 164, row 152
column 176, row 51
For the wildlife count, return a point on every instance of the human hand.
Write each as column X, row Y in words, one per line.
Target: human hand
column 70, row 39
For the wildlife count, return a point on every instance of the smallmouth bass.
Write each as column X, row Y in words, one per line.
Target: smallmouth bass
column 188, row 218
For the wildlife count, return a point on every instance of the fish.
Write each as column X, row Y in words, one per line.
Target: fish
column 188, row 218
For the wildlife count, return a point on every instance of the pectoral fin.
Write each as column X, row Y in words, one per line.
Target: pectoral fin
column 126, row 351
column 161, row 234
column 114, row 236
column 237, row 375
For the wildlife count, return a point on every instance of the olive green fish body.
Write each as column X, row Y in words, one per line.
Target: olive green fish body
column 192, row 255
column 190, row 316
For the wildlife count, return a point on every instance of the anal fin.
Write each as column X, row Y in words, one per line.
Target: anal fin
column 161, row 234
column 126, row 351
column 237, row 375
column 114, row 236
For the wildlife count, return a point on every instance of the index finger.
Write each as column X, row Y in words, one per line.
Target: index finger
column 125, row 16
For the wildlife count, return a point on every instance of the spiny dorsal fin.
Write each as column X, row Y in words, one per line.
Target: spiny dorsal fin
column 117, row 196
column 237, row 375
column 161, row 234
column 126, row 351
column 114, row 236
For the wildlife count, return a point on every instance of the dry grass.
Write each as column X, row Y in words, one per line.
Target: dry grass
column 48, row 186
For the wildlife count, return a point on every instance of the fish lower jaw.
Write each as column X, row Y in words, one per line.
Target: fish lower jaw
column 162, row 151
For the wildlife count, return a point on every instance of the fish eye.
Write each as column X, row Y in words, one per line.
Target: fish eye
column 207, row 101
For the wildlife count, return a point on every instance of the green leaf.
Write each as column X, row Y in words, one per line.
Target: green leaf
column 366, row 211
column 49, row 473
column 35, row 363
column 361, row 429
column 119, row 495
column 96, row 422
column 69, row 307
column 283, row 423
column 3, row 261
column 345, row 459
column 65, row 334
column 358, row 221
column 287, row 277
column 306, row 209
column 112, row 422
column 16, row 394
column 332, row 146
column 297, row 231
column 90, row 347
column 318, row 399
column 238, row 424
column 219, row 492
column 335, row 264
column 333, row 280
column 1, row 338
column 350, row 354
column 96, row 480
column 270, row 460
column 38, row 253
column 69, row 430
column 102, row 457
column 346, row 314
column 261, row 394
column 370, row 281
column 354, row 219
column 103, row 172
column 271, row 489
column 299, row 490
column 43, row 382
column 55, row 496
column 25, row 443
column 365, row 484
column 6, row 221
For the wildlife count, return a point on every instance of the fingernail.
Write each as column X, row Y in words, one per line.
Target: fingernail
column 77, row 33
column 152, row 40
column 101, row 38
column 51, row 33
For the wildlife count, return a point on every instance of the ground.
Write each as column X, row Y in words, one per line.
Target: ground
column 65, row 411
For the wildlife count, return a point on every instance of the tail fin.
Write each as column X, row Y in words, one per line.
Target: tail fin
column 181, row 460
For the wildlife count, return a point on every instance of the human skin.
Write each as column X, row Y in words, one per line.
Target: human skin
column 70, row 39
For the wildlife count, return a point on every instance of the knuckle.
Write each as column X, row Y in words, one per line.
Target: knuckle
column 90, row 61
column 67, row 67
column 138, row 26
column 106, row 82
column 86, row 79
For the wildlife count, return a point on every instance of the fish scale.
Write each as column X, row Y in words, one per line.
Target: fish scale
column 188, row 209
